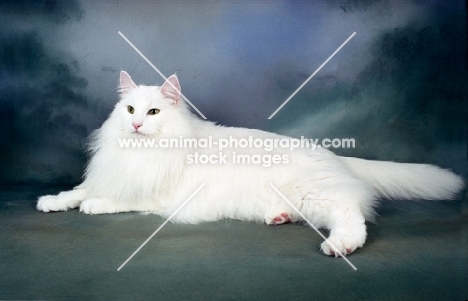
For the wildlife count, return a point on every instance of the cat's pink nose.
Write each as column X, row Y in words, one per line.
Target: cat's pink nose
column 136, row 125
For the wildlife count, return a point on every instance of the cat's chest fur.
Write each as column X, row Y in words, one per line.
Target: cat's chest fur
column 140, row 173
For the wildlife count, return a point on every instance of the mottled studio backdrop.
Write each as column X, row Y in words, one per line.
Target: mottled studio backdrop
column 399, row 87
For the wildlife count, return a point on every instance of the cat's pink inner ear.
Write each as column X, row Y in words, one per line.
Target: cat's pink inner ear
column 126, row 83
column 171, row 88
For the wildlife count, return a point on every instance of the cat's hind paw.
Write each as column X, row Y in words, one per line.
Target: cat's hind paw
column 345, row 245
column 278, row 219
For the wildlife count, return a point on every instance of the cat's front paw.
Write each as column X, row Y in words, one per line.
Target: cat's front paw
column 97, row 206
column 48, row 203
column 62, row 202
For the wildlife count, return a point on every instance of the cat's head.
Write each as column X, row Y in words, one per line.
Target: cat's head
column 147, row 110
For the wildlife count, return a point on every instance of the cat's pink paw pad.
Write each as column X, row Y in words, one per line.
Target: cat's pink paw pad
column 283, row 218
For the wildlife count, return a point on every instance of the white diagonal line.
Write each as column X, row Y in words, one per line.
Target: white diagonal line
column 313, row 74
column 313, row 227
column 160, row 227
column 160, row 73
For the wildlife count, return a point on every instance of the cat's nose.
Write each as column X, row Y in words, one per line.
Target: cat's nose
column 137, row 125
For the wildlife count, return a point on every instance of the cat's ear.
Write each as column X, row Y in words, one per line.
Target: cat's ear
column 126, row 83
column 171, row 88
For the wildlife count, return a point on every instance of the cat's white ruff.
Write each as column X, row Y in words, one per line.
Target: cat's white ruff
column 337, row 193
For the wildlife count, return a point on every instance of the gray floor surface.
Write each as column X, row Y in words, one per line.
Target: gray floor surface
column 415, row 251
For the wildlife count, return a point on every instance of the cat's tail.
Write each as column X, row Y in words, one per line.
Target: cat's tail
column 406, row 180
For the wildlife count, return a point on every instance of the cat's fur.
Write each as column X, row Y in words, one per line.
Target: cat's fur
column 337, row 193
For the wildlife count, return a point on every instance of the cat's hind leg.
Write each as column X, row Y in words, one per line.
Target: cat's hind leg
column 64, row 201
column 347, row 233
column 339, row 209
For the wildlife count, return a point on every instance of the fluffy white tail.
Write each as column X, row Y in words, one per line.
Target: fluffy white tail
column 406, row 180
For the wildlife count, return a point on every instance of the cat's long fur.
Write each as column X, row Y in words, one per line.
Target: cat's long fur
column 333, row 192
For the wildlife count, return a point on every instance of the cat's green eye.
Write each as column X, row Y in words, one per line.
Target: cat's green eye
column 153, row 111
column 130, row 109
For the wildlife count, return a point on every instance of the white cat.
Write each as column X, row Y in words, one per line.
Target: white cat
column 337, row 193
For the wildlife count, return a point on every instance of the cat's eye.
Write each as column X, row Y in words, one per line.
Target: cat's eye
column 153, row 111
column 130, row 109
